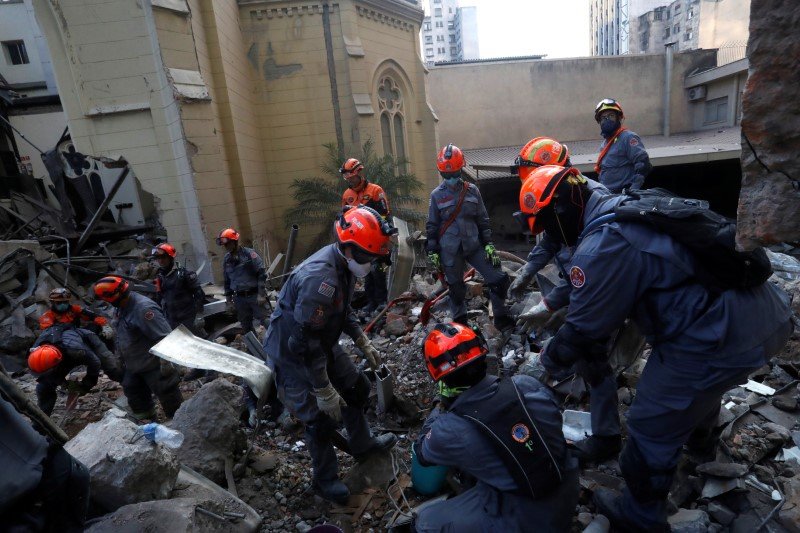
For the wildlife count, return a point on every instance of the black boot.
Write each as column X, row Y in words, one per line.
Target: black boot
column 503, row 323
column 598, row 448
column 381, row 443
column 461, row 319
column 332, row 490
column 609, row 503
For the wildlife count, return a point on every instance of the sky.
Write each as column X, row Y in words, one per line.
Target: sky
column 510, row 28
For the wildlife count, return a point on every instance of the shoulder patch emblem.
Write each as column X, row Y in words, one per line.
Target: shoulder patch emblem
column 577, row 277
column 520, row 433
column 149, row 314
column 318, row 318
column 529, row 200
column 253, row 254
column 326, row 290
column 633, row 141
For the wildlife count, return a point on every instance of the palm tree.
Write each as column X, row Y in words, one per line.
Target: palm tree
column 319, row 200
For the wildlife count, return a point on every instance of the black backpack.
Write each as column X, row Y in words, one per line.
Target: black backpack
column 710, row 237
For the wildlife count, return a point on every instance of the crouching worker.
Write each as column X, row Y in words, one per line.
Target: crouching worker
column 316, row 380
column 140, row 324
column 58, row 351
column 505, row 433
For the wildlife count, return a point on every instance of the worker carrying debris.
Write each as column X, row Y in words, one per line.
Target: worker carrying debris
column 506, row 433
column 623, row 162
column 606, row 440
column 245, row 280
column 58, row 351
column 705, row 339
column 42, row 487
column 362, row 192
column 63, row 312
column 458, row 231
column 316, row 379
column 140, row 323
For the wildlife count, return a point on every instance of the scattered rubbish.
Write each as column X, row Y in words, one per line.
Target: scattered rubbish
column 577, row 425
column 758, row 388
column 159, row 434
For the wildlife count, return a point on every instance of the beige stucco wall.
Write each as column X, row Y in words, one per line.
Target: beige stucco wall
column 507, row 103
column 724, row 21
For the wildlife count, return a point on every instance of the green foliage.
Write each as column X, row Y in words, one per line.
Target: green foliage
column 318, row 200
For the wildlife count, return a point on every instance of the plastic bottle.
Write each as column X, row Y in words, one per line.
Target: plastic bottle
column 163, row 435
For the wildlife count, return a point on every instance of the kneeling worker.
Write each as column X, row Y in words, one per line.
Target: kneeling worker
column 316, row 379
column 506, row 433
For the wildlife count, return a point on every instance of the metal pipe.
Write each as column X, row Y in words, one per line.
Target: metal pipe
column 668, row 51
column 290, row 249
column 102, row 209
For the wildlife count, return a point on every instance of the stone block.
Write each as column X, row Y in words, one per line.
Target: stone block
column 689, row 521
column 474, row 289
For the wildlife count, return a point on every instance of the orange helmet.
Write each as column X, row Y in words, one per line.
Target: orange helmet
column 44, row 357
column 164, row 249
column 60, row 295
column 537, row 192
column 226, row 235
column 605, row 104
column 450, row 159
column 111, row 289
column 450, row 347
column 366, row 229
column 351, row 166
column 539, row 152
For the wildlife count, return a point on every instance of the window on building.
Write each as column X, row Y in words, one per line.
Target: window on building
column 390, row 104
column 690, row 13
column 645, row 42
column 426, row 26
column 15, row 52
column 658, row 14
column 450, row 10
column 437, row 1
column 716, row 110
column 429, row 52
column 666, row 32
column 677, row 8
column 437, row 12
column 453, row 51
column 442, row 50
column 439, row 24
column 688, row 36
column 428, row 39
column 452, row 38
column 676, row 29
column 439, row 38
column 668, row 14
column 451, row 25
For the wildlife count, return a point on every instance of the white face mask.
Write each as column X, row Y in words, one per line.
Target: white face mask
column 359, row 270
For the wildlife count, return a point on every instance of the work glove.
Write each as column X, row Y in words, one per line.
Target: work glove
column 329, row 402
column 261, row 299
column 199, row 323
column 107, row 332
column 369, row 351
column 491, row 255
column 230, row 307
column 435, row 260
column 517, row 289
column 534, row 318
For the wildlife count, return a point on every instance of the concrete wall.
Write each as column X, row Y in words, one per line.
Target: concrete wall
column 508, row 103
column 724, row 21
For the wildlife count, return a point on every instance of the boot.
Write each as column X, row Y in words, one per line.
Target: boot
column 503, row 323
column 598, row 448
column 381, row 443
column 332, row 490
column 461, row 319
column 609, row 503
column 146, row 415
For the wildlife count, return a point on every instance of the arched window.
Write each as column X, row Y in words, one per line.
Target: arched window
column 390, row 104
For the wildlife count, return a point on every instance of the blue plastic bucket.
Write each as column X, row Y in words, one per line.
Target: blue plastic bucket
column 426, row 480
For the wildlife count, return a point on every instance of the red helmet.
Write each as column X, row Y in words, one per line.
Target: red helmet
column 351, row 166
column 450, row 347
column 605, row 104
column 111, row 289
column 43, row 358
column 164, row 249
column 366, row 229
column 538, row 191
column 539, row 152
column 226, row 235
column 450, row 159
column 60, row 295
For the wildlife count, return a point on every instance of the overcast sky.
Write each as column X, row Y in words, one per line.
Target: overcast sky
column 558, row 28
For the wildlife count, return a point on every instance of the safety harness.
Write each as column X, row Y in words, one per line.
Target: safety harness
column 607, row 147
column 505, row 419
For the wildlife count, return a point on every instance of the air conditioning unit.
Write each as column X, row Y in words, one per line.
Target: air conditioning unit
column 697, row 93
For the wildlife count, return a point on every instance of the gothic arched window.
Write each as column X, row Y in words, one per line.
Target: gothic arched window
column 390, row 104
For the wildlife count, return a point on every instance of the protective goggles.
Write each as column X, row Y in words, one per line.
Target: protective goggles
column 606, row 101
column 519, row 162
column 222, row 240
column 448, row 175
column 158, row 252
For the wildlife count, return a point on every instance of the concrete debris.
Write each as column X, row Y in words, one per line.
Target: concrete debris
column 209, row 422
column 124, row 467
column 178, row 515
column 689, row 521
column 725, row 470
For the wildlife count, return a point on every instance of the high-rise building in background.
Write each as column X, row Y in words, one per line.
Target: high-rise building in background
column 449, row 32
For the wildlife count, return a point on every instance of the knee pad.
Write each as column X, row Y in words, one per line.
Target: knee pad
column 646, row 484
column 358, row 394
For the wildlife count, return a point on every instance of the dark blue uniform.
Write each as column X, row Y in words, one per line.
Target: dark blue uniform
column 180, row 295
column 244, row 277
column 302, row 341
column 451, row 440
column 463, row 241
column 626, row 164
column 704, row 343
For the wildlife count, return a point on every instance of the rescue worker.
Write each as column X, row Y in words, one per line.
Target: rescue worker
column 140, row 324
column 62, row 312
column 316, row 380
column 178, row 290
column 704, row 341
column 362, row 192
column 506, row 433
column 458, row 231
column 42, row 487
column 58, row 351
column 245, row 280
column 623, row 162
column 606, row 440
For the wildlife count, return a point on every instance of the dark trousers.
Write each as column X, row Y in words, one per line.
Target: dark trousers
column 139, row 388
column 375, row 286
column 247, row 309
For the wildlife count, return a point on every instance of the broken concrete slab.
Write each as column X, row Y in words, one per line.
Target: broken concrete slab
column 723, row 470
column 179, row 515
column 124, row 469
column 15, row 336
column 716, row 486
column 209, row 422
column 689, row 521
column 720, row 513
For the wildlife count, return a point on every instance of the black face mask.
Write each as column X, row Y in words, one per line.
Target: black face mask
column 608, row 126
column 564, row 220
